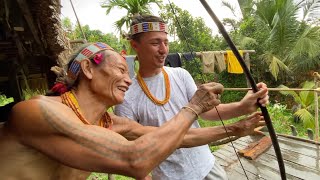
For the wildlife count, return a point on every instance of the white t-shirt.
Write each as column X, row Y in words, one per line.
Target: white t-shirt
column 185, row 163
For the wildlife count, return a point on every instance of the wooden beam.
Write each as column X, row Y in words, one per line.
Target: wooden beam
column 299, row 138
column 28, row 17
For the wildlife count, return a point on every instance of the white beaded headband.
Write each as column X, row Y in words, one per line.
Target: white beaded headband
column 147, row 27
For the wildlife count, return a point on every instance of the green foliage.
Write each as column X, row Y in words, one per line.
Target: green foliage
column 281, row 118
column 291, row 45
column 93, row 35
column 286, row 46
column 192, row 32
column 4, row 100
column 191, row 35
column 132, row 7
column 305, row 101
column 67, row 24
column 28, row 93
column 98, row 36
column 231, row 81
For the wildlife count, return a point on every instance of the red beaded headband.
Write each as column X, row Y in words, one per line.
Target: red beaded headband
column 86, row 53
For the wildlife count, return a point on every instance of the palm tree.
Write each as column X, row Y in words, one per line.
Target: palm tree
column 133, row 7
column 293, row 40
column 292, row 43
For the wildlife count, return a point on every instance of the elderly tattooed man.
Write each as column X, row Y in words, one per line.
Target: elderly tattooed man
column 70, row 134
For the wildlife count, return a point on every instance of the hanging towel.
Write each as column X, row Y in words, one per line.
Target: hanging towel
column 189, row 56
column 220, row 63
column 173, row 60
column 130, row 63
column 233, row 63
column 208, row 60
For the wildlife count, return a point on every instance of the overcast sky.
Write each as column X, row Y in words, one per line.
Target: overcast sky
column 90, row 13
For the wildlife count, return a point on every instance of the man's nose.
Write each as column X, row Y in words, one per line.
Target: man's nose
column 163, row 47
column 128, row 80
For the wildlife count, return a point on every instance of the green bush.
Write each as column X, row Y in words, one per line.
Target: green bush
column 29, row 93
column 282, row 118
column 229, row 80
column 4, row 100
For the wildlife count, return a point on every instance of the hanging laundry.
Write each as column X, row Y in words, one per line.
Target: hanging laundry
column 233, row 63
column 208, row 61
column 220, row 63
column 130, row 62
column 189, row 56
column 173, row 60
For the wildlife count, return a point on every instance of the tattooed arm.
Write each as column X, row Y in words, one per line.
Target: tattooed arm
column 195, row 136
column 53, row 129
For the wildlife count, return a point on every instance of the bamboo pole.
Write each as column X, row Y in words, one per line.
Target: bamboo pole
column 273, row 89
column 74, row 11
column 316, row 118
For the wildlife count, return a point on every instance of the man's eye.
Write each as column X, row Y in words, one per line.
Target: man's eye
column 122, row 70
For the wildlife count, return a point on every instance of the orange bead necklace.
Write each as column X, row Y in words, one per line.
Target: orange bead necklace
column 69, row 99
column 145, row 89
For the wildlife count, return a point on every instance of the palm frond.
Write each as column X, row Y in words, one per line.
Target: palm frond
column 275, row 64
column 307, row 44
column 306, row 117
column 110, row 4
column 131, row 6
column 311, row 9
column 246, row 41
column 290, row 93
column 284, row 23
column 229, row 6
column 307, row 97
column 120, row 23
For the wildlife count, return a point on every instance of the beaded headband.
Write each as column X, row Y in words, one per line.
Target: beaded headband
column 147, row 27
column 86, row 53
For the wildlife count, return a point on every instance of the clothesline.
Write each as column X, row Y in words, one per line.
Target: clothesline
column 198, row 54
column 211, row 60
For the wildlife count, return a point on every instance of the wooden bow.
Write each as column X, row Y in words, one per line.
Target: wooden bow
column 253, row 85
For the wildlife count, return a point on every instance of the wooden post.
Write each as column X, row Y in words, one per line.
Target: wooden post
column 111, row 177
column 28, row 17
column 247, row 61
column 316, row 118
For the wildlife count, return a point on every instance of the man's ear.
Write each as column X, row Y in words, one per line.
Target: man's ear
column 86, row 67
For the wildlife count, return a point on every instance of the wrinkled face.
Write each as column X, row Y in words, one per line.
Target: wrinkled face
column 111, row 78
column 152, row 49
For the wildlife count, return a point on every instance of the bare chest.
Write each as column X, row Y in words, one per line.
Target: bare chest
column 20, row 162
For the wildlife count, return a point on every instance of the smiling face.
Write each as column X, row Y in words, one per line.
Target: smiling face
column 111, row 78
column 152, row 49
